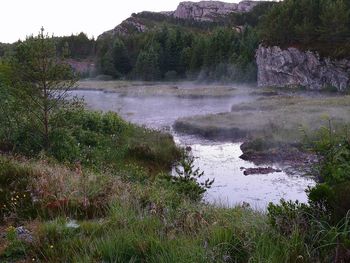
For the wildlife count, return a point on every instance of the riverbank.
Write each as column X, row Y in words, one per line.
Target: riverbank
column 120, row 204
column 218, row 159
column 274, row 128
column 135, row 218
column 178, row 89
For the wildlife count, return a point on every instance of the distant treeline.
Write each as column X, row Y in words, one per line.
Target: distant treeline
column 75, row 46
column 221, row 50
column 5, row 49
column 172, row 53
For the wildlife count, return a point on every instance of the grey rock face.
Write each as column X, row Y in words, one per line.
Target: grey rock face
column 209, row 10
column 132, row 24
column 24, row 234
column 200, row 11
column 279, row 68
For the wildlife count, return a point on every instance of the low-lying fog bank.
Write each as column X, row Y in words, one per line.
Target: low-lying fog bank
column 181, row 89
column 161, row 105
column 272, row 123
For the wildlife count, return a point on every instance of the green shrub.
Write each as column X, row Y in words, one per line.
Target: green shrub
column 153, row 149
column 15, row 192
column 341, row 201
column 330, row 196
column 321, row 197
column 187, row 179
column 324, row 221
column 16, row 249
column 332, row 202
column 26, row 139
column 94, row 139
column 63, row 146
column 228, row 245
column 288, row 216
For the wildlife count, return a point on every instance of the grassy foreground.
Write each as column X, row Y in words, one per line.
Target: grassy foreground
column 119, row 204
column 123, row 220
column 102, row 192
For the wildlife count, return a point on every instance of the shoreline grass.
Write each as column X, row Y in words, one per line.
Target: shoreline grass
column 144, row 222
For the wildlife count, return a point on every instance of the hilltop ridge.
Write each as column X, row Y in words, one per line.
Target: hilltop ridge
column 210, row 10
column 203, row 11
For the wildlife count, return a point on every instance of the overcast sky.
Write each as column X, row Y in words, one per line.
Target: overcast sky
column 19, row 18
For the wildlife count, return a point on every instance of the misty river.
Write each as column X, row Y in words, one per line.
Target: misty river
column 218, row 160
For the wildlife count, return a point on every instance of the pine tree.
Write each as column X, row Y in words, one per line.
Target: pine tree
column 40, row 81
column 335, row 19
column 147, row 65
column 121, row 58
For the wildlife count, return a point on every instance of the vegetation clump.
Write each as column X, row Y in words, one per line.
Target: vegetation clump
column 324, row 221
column 319, row 25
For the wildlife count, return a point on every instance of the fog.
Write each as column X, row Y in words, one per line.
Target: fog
column 160, row 105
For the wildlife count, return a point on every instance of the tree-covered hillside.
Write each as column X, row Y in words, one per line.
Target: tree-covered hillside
column 4, row 49
column 156, row 46
column 225, row 49
column 319, row 25
column 172, row 52
column 76, row 46
column 174, row 48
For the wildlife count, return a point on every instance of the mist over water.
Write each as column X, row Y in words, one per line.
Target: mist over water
column 218, row 160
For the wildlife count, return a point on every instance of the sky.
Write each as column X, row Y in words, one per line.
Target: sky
column 20, row 18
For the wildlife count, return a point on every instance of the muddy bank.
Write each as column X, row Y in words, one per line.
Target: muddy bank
column 293, row 155
column 260, row 170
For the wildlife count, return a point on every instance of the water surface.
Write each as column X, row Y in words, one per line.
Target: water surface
column 218, row 160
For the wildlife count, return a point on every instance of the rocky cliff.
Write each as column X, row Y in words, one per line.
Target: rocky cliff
column 128, row 26
column 210, row 10
column 292, row 67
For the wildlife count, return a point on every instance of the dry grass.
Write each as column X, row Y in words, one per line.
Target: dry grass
column 181, row 89
column 57, row 190
column 59, row 187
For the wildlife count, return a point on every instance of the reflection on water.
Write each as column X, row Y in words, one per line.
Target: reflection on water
column 231, row 187
column 218, row 160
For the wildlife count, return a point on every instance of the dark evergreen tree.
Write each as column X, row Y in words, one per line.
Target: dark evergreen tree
column 40, row 82
column 120, row 56
column 335, row 17
column 147, row 65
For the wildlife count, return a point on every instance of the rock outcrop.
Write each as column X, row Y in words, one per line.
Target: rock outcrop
column 293, row 67
column 128, row 26
column 211, row 10
column 260, row 170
